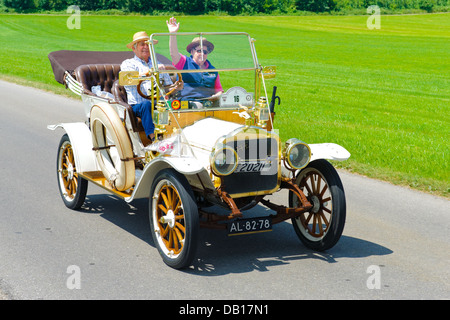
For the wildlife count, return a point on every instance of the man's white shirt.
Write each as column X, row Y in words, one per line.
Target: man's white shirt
column 137, row 64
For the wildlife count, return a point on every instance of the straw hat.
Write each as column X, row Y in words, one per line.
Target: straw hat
column 139, row 36
column 196, row 42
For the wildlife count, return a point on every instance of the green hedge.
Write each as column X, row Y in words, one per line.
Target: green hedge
column 232, row 7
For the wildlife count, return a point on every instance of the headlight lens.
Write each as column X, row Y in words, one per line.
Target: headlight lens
column 224, row 161
column 297, row 153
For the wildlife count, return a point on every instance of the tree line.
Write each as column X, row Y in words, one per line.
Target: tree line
column 231, row 7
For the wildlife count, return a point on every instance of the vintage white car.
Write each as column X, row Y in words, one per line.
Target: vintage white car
column 209, row 152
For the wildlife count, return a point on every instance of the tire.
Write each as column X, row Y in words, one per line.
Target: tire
column 72, row 187
column 112, row 147
column 321, row 227
column 174, row 219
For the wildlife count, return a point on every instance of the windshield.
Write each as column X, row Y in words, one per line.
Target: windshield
column 228, row 50
column 217, row 69
column 207, row 83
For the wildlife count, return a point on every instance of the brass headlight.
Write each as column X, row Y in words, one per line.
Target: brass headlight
column 297, row 153
column 224, row 161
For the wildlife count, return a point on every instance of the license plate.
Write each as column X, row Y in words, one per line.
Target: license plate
column 251, row 166
column 251, row 225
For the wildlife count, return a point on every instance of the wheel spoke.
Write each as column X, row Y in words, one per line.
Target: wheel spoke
column 164, row 231
column 164, row 197
column 175, row 239
column 163, row 208
column 310, row 215
column 170, row 243
column 180, row 238
column 327, row 210
column 325, row 188
column 66, row 183
column 319, row 224
column 180, row 227
column 71, row 188
column 70, row 154
column 314, row 183
column 169, row 197
column 318, row 183
column 175, row 199
column 305, row 185
column 177, row 205
column 313, row 229
column 325, row 220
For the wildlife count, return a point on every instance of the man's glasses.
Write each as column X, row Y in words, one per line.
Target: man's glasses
column 200, row 51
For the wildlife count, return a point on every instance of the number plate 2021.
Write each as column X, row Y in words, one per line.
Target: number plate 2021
column 251, row 167
column 251, row 225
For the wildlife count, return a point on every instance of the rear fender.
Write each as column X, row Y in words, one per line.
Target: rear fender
column 81, row 140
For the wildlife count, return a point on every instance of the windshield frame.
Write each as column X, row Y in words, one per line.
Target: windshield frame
column 248, row 115
column 253, row 65
column 251, row 41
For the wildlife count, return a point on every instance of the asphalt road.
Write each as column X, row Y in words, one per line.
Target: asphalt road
column 396, row 242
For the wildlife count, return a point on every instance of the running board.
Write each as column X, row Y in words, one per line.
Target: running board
column 99, row 179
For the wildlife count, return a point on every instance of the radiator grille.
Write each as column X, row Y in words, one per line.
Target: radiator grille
column 263, row 149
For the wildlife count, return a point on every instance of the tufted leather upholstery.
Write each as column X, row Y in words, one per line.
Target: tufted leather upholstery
column 90, row 75
column 119, row 92
column 107, row 75
column 120, row 95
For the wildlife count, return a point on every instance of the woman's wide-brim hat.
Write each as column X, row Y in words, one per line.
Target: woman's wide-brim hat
column 200, row 41
column 140, row 36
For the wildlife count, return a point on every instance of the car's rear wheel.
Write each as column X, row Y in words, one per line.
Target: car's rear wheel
column 321, row 227
column 72, row 187
column 174, row 219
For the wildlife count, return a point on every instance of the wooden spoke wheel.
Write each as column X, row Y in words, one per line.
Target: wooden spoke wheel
column 174, row 218
column 321, row 227
column 72, row 187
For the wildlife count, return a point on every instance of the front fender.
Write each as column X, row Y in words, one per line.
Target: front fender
column 187, row 166
column 81, row 140
column 330, row 151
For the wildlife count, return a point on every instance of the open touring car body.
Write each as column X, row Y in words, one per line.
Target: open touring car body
column 222, row 151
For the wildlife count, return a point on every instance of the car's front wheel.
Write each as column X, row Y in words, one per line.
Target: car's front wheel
column 174, row 218
column 321, row 227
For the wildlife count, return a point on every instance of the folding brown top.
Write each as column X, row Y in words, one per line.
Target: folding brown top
column 68, row 60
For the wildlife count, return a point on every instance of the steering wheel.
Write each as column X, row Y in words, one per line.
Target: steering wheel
column 138, row 87
column 177, row 83
column 175, row 86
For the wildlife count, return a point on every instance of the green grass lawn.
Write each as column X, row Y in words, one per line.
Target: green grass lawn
column 382, row 94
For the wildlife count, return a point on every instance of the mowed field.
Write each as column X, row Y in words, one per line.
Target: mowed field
column 382, row 94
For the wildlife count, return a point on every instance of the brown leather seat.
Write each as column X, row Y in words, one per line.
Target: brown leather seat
column 104, row 75
column 120, row 95
column 119, row 92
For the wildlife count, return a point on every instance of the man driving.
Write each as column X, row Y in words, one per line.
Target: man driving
column 141, row 62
